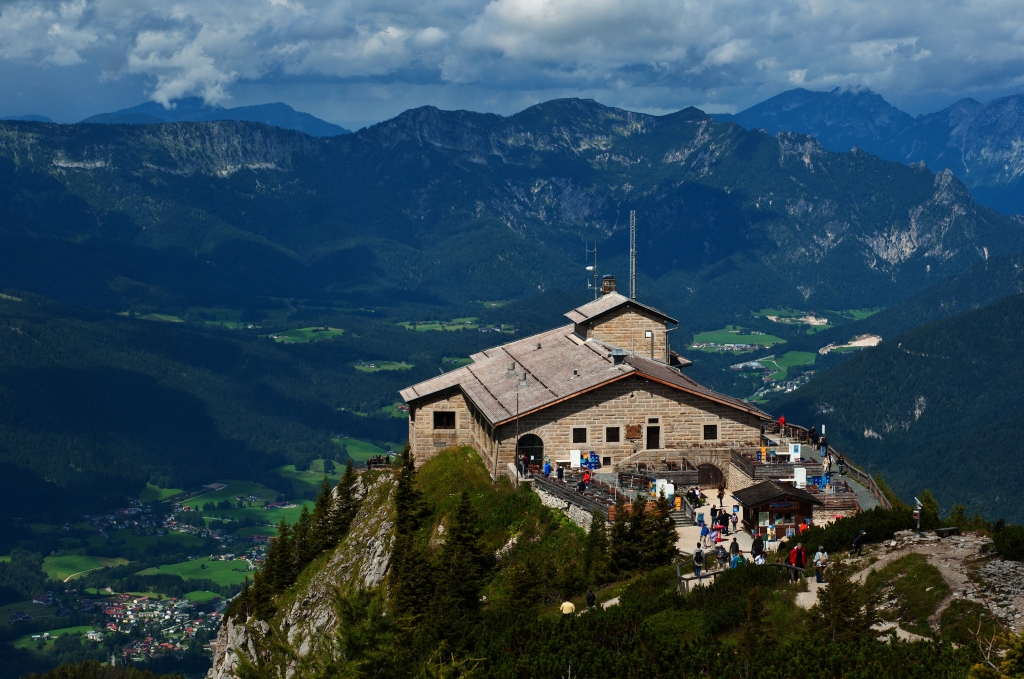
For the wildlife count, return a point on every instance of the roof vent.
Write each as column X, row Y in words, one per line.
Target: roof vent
column 575, row 373
column 607, row 284
column 510, row 369
column 538, row 346
column 618, row 356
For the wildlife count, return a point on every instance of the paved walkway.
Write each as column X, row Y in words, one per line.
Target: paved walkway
column 865, row 498
column 690, row 535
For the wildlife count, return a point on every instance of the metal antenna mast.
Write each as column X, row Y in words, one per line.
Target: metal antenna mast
column 632, row 254
column 597, row 288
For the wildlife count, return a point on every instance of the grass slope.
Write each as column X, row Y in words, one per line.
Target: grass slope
column 63, row 566
column 221, row 572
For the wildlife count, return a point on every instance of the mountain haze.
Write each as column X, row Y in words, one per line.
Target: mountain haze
column 194, row 109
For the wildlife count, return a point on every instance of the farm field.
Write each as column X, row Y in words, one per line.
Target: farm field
column 731, row 335
column 153, row 493
column 307, row 482
column 393, row 410
column 5, row 558
column 377, row 366
column 28, row 608
column 304, row 335
column 141, row 542
column 360, row 451
column 63, row 566
column 786, row 361
column 201, row 596
column 222, row 572
column 28, row 643
column 453, row 362
column 235, row 489
column 249, row 531
column 166, row 318
column 469, row 323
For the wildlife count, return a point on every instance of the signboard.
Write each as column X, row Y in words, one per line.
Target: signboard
column 633, row 431
column 663, row 486
column 574, row 459
column 800, row 477
column 794, row 450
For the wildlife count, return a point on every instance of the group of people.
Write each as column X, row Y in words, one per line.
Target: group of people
column 798, row 560
column 719, row 528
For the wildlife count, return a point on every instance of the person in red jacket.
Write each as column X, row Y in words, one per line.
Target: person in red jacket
column 798, row 559
column 782, row 421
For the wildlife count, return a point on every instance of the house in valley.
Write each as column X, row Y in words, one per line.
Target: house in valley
column 606, row 382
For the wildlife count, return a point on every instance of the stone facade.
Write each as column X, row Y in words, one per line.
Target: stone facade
column 627, row 327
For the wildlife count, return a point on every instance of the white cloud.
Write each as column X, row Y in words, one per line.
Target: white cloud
column 641, row 52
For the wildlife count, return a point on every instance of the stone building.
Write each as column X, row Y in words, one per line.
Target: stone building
column 607, row 382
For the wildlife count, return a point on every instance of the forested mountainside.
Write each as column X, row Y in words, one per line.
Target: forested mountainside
column 979, row 142
column 93, row 405
column 939, row 406
column 437, row 206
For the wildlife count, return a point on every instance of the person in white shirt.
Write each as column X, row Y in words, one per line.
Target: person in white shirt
column 820, row 563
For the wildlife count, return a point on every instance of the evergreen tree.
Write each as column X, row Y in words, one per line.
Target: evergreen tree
column 261, row 597
column 842, row 612
column 302, row 534
column 328, row 466
column 322, row 534
column 459, row 572
column 410, row 579
column 658, row 535
column 622, row 552
column 345, row 503
column 279, row 564
column 596, row 560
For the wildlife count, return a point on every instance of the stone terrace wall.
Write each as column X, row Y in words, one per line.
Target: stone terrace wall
column 624, row 327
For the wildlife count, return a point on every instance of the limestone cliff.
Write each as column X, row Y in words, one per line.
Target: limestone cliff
column 306, row 610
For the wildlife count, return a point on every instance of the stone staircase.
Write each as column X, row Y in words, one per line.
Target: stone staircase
column 681, row 519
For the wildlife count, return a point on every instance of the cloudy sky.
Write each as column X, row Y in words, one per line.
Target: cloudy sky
column 355, row 62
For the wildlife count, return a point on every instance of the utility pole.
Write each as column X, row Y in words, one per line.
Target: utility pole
column 632, row 254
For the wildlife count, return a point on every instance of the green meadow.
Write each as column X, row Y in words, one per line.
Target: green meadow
column 309, row 481
column 393, row 410
column 377, row 366
column 788, row 360
column 731, row 335
column 253, row 509
column 141, row 542
column 304, row 335
column 222, row 572
column 28, row 643
column 201, row 596
column 360, row 451
column 153, row 493
column 28, row 608
column 64, row 566
column 468, row 323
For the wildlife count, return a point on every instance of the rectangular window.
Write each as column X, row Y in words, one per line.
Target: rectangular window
column 710, row 432
column 444, row 420
column 611, row 435
column 606, row 461
column 652, row 420
column 579, row 434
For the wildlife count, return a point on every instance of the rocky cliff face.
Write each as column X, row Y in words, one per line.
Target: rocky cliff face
column 306, row 612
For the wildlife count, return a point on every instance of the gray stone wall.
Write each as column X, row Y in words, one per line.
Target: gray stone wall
column 625, row 328
column 576, row 514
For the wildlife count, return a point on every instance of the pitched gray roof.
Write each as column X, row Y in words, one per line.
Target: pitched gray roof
column 559, row 364
column 766, row 491
column 606, row 303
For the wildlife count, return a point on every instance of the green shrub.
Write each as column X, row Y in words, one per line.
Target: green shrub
column 879, row 524
column 1010, row 542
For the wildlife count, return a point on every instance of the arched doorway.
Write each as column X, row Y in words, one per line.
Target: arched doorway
column 532, row 446
column 710, row 476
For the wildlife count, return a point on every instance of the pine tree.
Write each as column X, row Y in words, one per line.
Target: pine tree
column 302, row 534
column 658, row 541
column 410, row 579
column 321, row 535
column 261, row 598
column 842, row 612
column 345, row 503
column 622, row 552
column 459, row 572
column 596, row 561
column 279, row 565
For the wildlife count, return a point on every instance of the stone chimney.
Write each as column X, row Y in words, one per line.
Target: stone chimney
column 607, row 285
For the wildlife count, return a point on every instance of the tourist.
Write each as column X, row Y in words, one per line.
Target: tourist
column 698, row 560
column 714, row 514
column 722, row 556
column 797, row 559
column 581, row 487
column 842, row 465
column 560, row 473
column 758, row 547
column 547, row 468
column 782, row 422
column 858, row 544
column 820, row 562
column 813, row 435
column 735, row 519
column 737, row 560
column 590, row 600
column 734, row 548
column 567, row 608
column 704, row 533
column 586, row 476
column 721, row 496
column 823, row 445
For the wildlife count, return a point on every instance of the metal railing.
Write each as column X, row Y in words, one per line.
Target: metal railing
column 570, row 495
